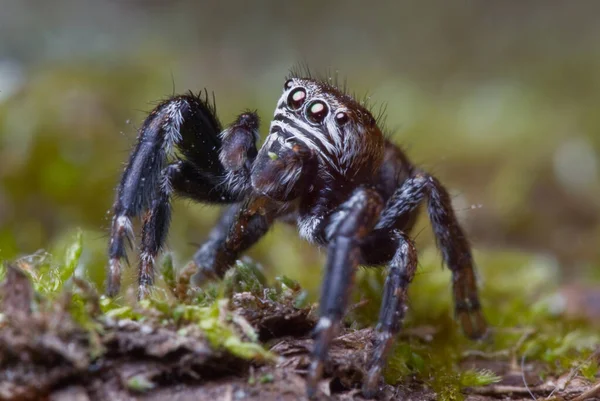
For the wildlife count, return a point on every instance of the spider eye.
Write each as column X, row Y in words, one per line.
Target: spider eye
column 288, row 84
column 296, row 98
column 317, row 111
column 341, row 118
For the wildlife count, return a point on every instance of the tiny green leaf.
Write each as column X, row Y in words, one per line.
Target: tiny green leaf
column 140, row 383
column 589, row 370
column 167, row 271
column 301, row 299
column 72, row 255
column 267, row 378
column 478, row 378
column 122, row 312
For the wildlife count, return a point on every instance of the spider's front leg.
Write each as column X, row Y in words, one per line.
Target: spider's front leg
column 348, row 227
column 189, row 124
column 279, row 173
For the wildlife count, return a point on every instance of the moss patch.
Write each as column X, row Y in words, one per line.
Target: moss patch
column 257, row 333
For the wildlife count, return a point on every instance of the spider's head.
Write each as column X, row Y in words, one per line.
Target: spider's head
column 340, row 130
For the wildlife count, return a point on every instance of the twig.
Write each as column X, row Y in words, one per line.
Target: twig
column 508, row 352
column 586, row 395
column 526, row 334
column 574, row 372
column 503, row 389
column 486, row 355
column 524, row 379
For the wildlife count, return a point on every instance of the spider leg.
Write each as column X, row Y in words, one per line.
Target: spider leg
column 154, row 230
column 188, row 123
column 450, row 239
column 180, row 177
column 240, row 227
column 209, row 258
column 177, row 178
column 400, row 274
column 348, row 226
column 279, row 173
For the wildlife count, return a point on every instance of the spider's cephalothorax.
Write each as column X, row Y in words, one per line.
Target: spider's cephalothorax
column 326, row 166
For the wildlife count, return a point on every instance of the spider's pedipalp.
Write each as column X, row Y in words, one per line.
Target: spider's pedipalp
column 238, row 151
column 282, row 169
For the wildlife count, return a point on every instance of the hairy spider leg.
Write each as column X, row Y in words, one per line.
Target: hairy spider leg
column 348, row 226
column 189, row 124
column 181, row 178
column 154, row 230
column 278, row 174
column 210, row 256
column 401, row 271
column 239, row 227
column 450, row 239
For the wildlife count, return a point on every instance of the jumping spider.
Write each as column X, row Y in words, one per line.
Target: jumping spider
column 326, row 166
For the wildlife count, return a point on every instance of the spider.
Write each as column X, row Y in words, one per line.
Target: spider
column 325, row 165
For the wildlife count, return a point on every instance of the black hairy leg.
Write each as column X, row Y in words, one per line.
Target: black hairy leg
column 189, row 124
column 277, row 175
column 450, row 239
column 210, row 258
column 240, row 227
column 154, row 229
column 348, row 226
column 401, row 270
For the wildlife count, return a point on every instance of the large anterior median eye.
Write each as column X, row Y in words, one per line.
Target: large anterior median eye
column 317, row 111
column 296, row 98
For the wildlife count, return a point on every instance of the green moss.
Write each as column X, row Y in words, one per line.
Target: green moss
column 246, row 276
column 223, row 328
column 589, row 369
column 516, row 293
column 478, row 378
column 140, row 384
column 267, row 378
column 167, row 271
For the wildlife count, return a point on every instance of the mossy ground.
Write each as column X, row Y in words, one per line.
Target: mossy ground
column 257, row 334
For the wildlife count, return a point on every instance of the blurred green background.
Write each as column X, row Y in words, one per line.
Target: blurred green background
column 498, row 99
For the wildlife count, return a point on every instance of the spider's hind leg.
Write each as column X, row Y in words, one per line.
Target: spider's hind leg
column 450, row 238
column 187, row 123
column 154, row 230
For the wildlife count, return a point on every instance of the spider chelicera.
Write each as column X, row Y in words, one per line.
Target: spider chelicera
column 326, row 166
